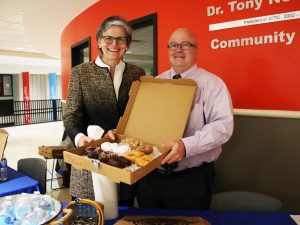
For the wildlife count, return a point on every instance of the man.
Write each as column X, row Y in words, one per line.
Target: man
column 186, row 176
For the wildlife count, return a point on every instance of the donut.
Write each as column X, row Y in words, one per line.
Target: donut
column 92, row 152
column 105, row 156
column 119, row 161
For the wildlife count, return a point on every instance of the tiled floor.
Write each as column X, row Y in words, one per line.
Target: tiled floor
column 23, row 142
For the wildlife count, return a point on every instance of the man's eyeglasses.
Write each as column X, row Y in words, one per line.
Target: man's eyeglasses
column 184, row 45
column 110, row 39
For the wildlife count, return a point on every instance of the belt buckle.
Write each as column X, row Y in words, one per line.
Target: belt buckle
column 162, row 172
column 168, row 169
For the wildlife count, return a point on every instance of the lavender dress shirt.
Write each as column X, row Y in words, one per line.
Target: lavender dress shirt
column 211, row 119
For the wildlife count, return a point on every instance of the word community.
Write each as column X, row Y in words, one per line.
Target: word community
column 277, row 37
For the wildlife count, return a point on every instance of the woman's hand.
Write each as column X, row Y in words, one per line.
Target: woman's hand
column 84, row 140
column 111, row 134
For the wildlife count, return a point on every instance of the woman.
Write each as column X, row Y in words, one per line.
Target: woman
column 98, row 94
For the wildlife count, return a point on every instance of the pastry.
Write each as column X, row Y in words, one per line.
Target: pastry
column 133, row 143
column 143, row 160
column 130, row 157
column 105, row 156
column 92, row 152
column 147, row 149
column 133, row 154
column 119, row 161
column 136, row 153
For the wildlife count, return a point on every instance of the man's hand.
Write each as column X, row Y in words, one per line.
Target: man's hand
column 176, row 154
column 111, row 134
column 84, row 140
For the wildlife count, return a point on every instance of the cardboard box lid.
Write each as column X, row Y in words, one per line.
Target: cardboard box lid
column 158, row 109
column 3, row 140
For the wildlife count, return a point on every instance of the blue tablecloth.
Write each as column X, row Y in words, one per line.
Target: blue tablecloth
column 214, row 217
column 18, row 183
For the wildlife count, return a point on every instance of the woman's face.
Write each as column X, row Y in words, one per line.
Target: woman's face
column 113, row 43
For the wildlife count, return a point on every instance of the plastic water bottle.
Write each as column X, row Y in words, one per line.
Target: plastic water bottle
column 22, row 206
column 30, row 219
column 35, row 198
column 7, row 214
column 3, row 170
column 45, row 203
column 2, row 214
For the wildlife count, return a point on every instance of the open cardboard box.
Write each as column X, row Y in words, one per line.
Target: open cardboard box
column 157, row 112
column 3, row 141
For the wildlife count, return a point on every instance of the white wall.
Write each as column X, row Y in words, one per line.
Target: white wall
column 23, row 141
column 39, row 87
column 16, row 64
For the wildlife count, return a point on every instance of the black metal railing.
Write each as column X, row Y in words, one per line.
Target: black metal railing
column 32, row 112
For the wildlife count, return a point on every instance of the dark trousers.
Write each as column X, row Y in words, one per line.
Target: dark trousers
column 127, row 194
column 188, row 189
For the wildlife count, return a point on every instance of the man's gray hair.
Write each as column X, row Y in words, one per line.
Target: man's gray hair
column 115, row 21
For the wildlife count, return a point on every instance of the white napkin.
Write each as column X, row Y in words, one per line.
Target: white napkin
column 95, row 132
column 106, row 192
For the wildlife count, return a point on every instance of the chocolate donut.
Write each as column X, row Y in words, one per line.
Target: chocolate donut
column 119, row 161
column 105, row 156
column 92, row 152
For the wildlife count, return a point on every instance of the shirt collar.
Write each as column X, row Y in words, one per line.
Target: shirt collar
column 119, row 68
column 185, row 73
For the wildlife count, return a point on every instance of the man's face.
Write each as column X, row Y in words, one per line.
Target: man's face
column 183, row 50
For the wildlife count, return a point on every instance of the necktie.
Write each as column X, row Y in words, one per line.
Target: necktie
column 177, row 76
column 169, row 168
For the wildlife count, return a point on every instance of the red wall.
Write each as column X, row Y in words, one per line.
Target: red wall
column 265, row 76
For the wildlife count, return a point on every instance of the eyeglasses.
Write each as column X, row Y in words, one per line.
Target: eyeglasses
column 184, row 45
column 110, row 39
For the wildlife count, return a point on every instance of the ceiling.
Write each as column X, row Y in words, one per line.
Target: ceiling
column 30, row 32
column 35, row 26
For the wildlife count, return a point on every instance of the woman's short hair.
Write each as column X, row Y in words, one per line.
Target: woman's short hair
column 115, row 21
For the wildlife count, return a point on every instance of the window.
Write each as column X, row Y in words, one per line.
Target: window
column 81, row 52
column 6, row 88
column 143, row 49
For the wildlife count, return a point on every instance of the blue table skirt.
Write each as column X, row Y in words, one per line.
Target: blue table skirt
column 214, row 217
column 18, row 183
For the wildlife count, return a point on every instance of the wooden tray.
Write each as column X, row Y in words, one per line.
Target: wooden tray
column 51, row 152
